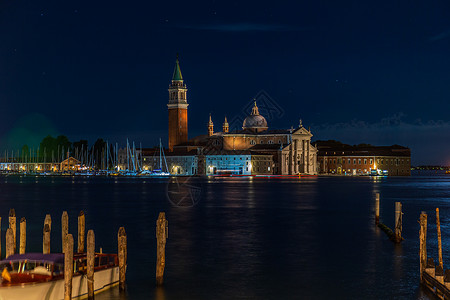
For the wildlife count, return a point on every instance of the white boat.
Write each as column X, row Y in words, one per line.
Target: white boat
column 160, row 172
column 129, row 173
column 36, row 276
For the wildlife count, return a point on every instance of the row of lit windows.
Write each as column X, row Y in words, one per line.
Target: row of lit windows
column 253, row 142
column 257, row 169
column 226, row 158
column 379, row 161
column 366, row 171
column 262, row 163
column 397, row 161
column 342, row 161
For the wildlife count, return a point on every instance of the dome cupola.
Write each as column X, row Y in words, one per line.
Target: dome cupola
column 255, row 121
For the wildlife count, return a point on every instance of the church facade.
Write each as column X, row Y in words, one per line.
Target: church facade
column 254, row 149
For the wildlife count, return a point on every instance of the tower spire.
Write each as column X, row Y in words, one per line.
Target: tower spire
column 226, row 126
column 210, row 126
column 177, row 71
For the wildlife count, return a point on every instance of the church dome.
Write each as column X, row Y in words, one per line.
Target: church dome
column 255, row 121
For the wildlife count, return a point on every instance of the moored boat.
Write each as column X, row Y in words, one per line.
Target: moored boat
column 41, row 276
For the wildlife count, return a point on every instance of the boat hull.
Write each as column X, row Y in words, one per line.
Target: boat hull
column 54, row 290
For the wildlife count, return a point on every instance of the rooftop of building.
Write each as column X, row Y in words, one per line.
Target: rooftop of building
column 265, row 132
column 332, row 147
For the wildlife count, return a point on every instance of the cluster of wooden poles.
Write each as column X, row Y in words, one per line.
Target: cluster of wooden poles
column 396, row 234
column 67, row 247
column 432, row 276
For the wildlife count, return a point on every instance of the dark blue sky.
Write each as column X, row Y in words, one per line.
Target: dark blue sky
column 354, row 71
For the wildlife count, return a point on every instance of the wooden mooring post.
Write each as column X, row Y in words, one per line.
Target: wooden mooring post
column 432, row 276
column 46, row 239
column 81, row 231
column 9, row 243
column 438, row 226
column 64, row 228
column 13, row 225
column 396, row 234
column 48, row 220
column 90, row 249
column 377, row 208
column 68, row 266
column 422, row 243
column 122, row 249
column 0, row 237
column 162, row 233
column 398, row 222
column 23, row 235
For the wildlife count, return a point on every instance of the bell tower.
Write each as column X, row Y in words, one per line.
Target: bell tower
column 226, row 126
column 177, row 106
column 210, row 126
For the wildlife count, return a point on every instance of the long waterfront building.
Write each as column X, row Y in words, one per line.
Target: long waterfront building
column 342, row 159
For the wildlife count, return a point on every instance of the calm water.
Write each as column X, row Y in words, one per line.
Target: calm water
column 308, row 238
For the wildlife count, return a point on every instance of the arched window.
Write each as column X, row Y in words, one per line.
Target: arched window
column 252, row 142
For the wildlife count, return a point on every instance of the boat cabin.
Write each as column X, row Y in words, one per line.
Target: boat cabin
column 38, row 267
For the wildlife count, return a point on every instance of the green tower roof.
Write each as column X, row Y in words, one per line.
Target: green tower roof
column 177, row 72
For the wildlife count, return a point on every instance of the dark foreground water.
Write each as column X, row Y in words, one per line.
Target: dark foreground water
column 243, row 238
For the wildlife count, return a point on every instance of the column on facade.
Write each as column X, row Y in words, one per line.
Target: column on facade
column 290, row 159
column 315, row 161
column 307, row 157
column 296, row 156
column 302, row 162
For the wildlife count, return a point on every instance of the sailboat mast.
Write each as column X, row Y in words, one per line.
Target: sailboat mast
column 128, row 159
column 134, row 157
column 107, row 166
column 160, row 147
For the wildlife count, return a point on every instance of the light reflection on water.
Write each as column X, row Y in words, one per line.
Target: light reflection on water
column 248, row 238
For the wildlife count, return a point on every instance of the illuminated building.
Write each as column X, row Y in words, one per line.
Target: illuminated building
column 70, row 164
column 282, row 152
column 231, row 163
column 341, row 159
column 177, row 106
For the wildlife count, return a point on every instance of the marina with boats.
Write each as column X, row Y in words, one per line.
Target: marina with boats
column 112, row 162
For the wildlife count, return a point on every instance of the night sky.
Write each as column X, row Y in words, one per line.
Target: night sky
column 356, row 71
